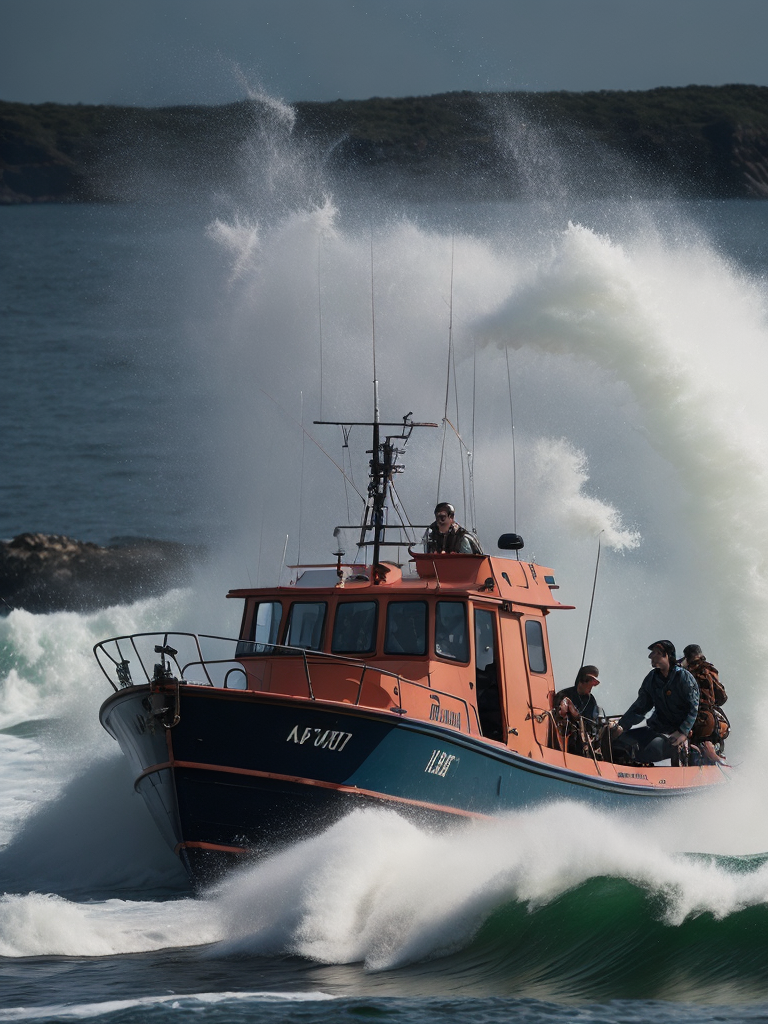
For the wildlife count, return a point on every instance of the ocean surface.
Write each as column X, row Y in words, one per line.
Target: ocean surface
column 158, row 363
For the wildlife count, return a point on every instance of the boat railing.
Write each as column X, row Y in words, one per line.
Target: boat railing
column 111, row 656
column 116, row 654
column 324, row 657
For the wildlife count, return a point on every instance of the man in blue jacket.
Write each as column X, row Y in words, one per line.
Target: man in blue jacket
column 673, row 694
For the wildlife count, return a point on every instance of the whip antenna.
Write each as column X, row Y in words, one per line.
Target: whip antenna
column 594, row 585
column 301, row 482
column 448, row 383
column 320, row 317
column 514, row 455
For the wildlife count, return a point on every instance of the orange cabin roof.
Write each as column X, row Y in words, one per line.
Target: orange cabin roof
column 505, row 579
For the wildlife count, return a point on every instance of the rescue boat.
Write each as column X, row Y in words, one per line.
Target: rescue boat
column 424, row 686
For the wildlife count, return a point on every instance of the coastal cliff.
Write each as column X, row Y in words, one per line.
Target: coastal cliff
column 698, row 141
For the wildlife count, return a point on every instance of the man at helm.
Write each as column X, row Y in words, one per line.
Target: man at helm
column 446, row 537
column 672, row 693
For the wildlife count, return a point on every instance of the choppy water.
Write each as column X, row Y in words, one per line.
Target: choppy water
column 157, row 364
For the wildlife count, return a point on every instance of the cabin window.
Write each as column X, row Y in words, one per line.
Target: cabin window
column 264, row 629
column 354, row 630
column 305, row 625
column 451, row 639
column 534, row 638
column 406, row 628
column 484, row 641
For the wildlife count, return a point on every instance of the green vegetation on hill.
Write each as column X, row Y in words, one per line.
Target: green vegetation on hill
column 698, row 140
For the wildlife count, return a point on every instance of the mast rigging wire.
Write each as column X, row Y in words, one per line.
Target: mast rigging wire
column 399, row 508
column 312, row 439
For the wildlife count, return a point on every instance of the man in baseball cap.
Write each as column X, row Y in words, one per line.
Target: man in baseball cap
column 672, row 693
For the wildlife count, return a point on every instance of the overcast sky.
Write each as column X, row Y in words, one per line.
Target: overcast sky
column 157, row 52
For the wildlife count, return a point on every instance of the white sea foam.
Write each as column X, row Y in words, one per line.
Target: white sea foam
column 678, row 328
column 190, row 1002
column 376, row 889
column 50, row 670
column 69, row 818
column 560, row 472
column 40, row 924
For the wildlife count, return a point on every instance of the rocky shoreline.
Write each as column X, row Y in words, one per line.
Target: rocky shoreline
column 47, row 572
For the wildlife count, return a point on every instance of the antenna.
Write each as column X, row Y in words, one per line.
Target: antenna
column 514, row 456
column 470, row 455
column 282, row 563
column 448, row 380
column 380, row 471
column 594, row 585
column 301, row 478
column 320, row 316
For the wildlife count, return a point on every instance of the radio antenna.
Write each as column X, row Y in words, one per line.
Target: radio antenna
column 448, row 384
column 594, row 585
column 514, row 455
column 320, row 315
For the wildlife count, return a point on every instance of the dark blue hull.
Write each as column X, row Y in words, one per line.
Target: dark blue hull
column 243, row 772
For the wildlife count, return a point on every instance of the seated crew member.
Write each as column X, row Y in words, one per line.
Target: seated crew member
column 708, row 727
column 673, row 694
column 576, row 706
column 446, row 537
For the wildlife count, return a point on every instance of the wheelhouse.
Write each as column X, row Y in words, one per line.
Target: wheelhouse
column 461, row 641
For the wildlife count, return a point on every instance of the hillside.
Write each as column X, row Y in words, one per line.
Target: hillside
column 696, row 141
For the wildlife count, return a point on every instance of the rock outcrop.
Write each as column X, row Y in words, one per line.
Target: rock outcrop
column 47, row 572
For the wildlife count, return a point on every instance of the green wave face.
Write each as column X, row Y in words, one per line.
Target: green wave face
column 611, row 939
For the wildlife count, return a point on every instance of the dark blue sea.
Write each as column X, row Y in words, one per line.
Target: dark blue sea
column 162, row 366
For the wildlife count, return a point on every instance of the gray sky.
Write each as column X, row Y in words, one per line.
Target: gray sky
column 157, row 52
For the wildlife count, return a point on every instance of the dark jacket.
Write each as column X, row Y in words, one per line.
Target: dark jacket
column 585, row 704
column 674, row 700
column 456, row 541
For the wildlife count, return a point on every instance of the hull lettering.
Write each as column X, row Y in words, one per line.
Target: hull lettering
column 325, row 739
column 439, row 763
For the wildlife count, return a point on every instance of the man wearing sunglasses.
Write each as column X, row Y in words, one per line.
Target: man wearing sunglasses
column 446, row 537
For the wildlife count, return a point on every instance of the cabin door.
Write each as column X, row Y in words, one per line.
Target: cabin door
column 486, row 676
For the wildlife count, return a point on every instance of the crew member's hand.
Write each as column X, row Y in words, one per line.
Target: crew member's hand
column 567, row 707
column 677, row 739
column 616, row 731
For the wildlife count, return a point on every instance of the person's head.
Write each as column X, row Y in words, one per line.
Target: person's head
column 444, row 513
column 692, row 652
column 663, row 655
column 586, row 678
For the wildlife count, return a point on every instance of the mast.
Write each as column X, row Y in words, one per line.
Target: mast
column 382, row 467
